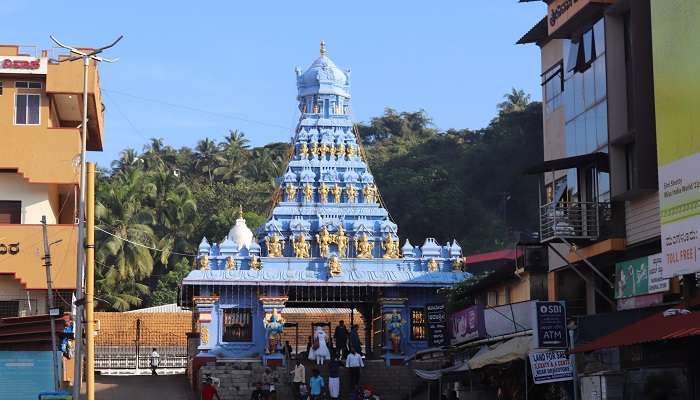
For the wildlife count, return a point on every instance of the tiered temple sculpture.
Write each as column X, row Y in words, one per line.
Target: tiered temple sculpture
column 329, row 240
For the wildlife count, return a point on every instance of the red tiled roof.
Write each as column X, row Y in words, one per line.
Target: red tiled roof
column 505, row 254
column 651, row 329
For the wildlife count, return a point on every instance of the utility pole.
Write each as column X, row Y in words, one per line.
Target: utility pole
column 78, row 318
column 90, row 283
column 47, row 264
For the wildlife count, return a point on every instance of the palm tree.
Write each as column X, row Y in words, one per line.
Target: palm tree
column 206, row 152
column 235, row 141
column 266, row 165
column 516, row 100
column 128, row 158
column 231, row 165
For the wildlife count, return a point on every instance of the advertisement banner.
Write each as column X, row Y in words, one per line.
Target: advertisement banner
column 551, row 366
column 639, row 277
column 437, row 325
column 549, row 325
column 24, row 65
column 467, row 325
column 676, row 55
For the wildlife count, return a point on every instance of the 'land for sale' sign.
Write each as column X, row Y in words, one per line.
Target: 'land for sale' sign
column 551, row 366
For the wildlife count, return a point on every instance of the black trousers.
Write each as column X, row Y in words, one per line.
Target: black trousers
column 354, row 376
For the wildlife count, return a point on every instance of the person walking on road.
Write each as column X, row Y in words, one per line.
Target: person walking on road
column 209, row 391
column 316, row 383
column 299, row 378
column 341, row 340
column 334, row 378
column 258, row 393
column 154, row 361
column 354, row 363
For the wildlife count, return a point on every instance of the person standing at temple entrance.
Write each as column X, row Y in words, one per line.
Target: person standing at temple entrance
column 299, row 378
column 355, row 340
column 341, row 340
column 354, row 363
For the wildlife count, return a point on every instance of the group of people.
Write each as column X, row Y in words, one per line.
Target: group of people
column 317, row 348
column 317, row 385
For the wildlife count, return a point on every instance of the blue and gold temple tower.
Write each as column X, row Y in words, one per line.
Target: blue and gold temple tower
column 329, row 240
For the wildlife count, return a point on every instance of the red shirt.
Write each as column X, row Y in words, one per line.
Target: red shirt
column 208, row 392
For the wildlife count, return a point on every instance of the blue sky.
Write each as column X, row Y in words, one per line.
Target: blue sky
column 236, row 60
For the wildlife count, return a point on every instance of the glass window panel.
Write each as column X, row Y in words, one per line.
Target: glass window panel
column 571, row 58
column 600, row 78
column 580, row 135
column 601, row 112
column 599, row 37
column 572, row 184
column 569, row 99
column 603, row 185
column 590, row 131
column 588, row 88
column 570, row 135
column 22, row 84
column 578, row 94
column 35, row 85
column 33, row 109
column 21, row 109
column 588, row 46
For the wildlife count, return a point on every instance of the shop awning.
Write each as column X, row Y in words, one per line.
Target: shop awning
column 599, row 159
column 514, row 349
column 439, row 373
column 652, row 329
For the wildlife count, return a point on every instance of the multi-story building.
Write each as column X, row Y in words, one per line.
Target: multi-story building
column 40, row 114
column 600, row 204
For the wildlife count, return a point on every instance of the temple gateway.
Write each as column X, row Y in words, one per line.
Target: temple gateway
column 328, row 244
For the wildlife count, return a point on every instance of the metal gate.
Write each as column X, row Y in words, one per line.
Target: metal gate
column 126, row 342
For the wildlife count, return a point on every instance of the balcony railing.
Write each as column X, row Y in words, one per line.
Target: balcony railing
column 572, row 220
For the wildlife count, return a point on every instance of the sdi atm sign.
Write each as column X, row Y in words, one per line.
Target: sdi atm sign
column 549, row 325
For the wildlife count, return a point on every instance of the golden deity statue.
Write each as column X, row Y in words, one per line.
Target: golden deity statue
column 230, row 263
column 370, row 193
column 457, row 265
column 323, row 193
column 274, row 246
column 341, row 240
column 390, row 247
column 363, row 247
column 323, row 151
column 352, row 193
column 302, row 249
column 337, row 192
column 204, row 263
column 255, row 263
column 334, row 267
column 304, row 151
column 341, row 151
column 432, row 265
column 314, row 149
column 350, row 150
column 331, row 150
column 324, row 240
column 291, row 192
column 308, row 193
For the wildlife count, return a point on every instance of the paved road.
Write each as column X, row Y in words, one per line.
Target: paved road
column 170, row 387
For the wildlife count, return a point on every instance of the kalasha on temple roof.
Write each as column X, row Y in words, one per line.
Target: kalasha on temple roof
column 328, row 228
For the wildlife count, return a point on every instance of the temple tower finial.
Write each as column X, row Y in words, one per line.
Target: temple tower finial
column 323, row 48
column 240, row 211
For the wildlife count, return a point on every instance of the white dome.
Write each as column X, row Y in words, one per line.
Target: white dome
column 240, row 233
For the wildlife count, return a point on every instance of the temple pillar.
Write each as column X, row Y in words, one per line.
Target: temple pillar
column 208, row 321
column 273, row 307
column 395, row 317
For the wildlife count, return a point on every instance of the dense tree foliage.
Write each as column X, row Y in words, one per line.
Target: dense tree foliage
column 463, row 184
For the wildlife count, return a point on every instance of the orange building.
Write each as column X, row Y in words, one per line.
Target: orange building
column 40, row 115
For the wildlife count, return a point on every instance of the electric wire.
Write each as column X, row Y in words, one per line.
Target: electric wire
column 141, row 244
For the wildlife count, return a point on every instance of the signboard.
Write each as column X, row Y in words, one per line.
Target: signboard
column 561, row 11
column 639, row 277
column 676, row 60
column 25, row 374
column 467, row 325
column 549, row 325
column 643, row 301
column 551, row 366
column 437, row 325
column 23, row 65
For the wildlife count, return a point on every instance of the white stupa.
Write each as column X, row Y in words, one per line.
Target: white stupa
column 240, row 233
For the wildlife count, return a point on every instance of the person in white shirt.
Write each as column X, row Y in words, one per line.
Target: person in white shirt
column 299, row 373
column 354, row 363
column 155, row 360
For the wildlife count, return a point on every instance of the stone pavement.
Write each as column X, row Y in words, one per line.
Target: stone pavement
column 139, row 387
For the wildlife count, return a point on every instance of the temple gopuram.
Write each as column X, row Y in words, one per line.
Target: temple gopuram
column 328, row 243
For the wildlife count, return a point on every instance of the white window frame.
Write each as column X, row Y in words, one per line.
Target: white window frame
column 14, row 117
column 28, row 83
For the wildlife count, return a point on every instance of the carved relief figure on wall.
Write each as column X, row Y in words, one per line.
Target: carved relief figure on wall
column 204, row 263
column 291, row 192
column 308, row 193
column 274, row 327
column 363, row 247
column 350, row 151
column 432, row 265
column 302, row 249
column 274, row 246
column 324, row 238
column 337, row 192
column 334, row 266
column 352, row 193
column 314, row 149
column 323, row 193
column 341, row 151
column 324, row 150
column 230, row 263
column 304, row 151
column 370, row 193
column 255, row 263
column 341, row 240
column 390, row 247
